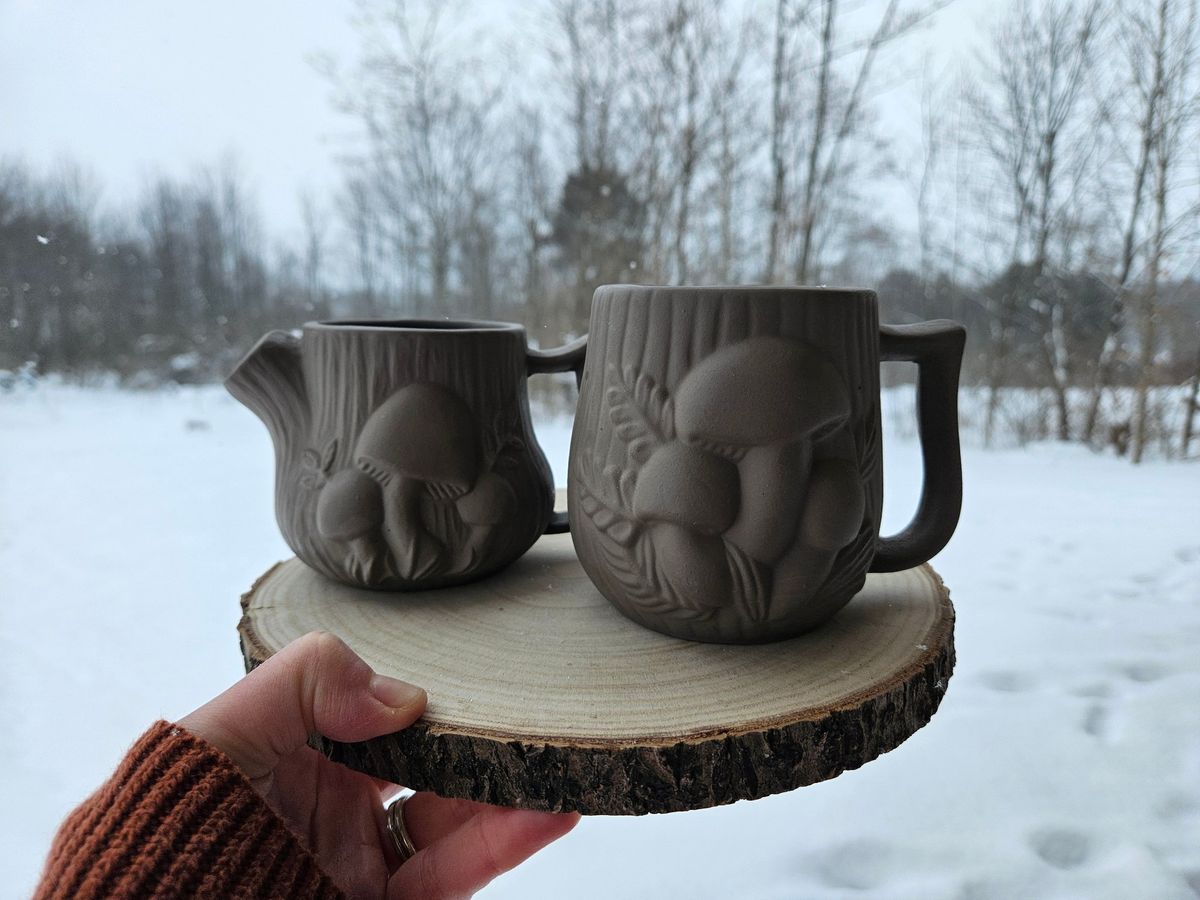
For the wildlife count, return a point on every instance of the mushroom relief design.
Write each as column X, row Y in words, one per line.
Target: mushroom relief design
column 419, row 459
column 740, row 489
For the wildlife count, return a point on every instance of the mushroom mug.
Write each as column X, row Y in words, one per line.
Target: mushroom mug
column 405, row 456
column 725, row 478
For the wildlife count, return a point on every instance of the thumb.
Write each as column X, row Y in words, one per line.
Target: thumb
column 316, row 684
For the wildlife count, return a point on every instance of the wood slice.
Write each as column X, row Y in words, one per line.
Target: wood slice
column 541, row 695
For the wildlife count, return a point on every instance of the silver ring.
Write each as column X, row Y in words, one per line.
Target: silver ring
column 395, row 826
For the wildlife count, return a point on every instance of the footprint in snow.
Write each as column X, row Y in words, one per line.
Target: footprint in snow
column 1007, row 681
column 1144, row 672
column 983, row 890
column 859, row 865
column 1098, row 690
column 1062, row 848
column 1177, row 805
column 1095, row 721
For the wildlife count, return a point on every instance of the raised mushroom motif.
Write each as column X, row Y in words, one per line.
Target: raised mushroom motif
column 759, row 392
column 689, row 568
column 772, row 482
column 489, row 504
column 834, row 506
column 422, row 440
column 350, row 509
column 748, row 482
column 689, row 487
column 765, row 402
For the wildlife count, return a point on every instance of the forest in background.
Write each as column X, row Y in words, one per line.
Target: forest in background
column 1056, row 184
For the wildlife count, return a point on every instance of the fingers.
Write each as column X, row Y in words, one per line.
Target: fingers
column 429, row 818
column 490, row 843
column 316, row 684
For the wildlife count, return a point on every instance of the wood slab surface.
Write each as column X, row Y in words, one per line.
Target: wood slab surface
column 542, row 695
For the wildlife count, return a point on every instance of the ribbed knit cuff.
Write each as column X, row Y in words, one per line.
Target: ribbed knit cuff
column 178, row 819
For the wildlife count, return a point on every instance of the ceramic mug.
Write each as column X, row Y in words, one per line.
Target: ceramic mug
column 404, row 450
column 725, row 479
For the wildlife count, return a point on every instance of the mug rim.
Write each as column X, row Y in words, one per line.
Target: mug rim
column 818, row 289
column 416, row 326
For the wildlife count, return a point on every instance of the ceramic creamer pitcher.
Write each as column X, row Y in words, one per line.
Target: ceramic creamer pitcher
column 405, row 456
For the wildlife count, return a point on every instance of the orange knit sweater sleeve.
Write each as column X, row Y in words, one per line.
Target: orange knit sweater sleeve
column 179, row 819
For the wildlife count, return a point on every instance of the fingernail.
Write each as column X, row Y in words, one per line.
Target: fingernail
column 395, row 693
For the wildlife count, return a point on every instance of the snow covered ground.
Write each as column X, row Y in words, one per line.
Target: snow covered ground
column 1065, row 760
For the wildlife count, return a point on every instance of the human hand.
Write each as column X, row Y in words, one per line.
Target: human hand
column 318, row 684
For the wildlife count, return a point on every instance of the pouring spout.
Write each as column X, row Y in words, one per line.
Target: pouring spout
column 270, row 382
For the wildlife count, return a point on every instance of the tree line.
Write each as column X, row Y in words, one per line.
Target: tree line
column 1054, row 177
column 174, row 287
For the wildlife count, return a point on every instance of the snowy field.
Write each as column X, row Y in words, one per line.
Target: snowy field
column 1064, row 762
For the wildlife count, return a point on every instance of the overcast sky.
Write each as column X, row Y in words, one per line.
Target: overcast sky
column 135, row 87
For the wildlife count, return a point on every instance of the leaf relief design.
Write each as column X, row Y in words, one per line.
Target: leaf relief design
column 611, row 518
column 317, row 465
column 624, row 569
column 850, row 565
column 627, row 553
column 328, row 454
column 502, row 444
column 368, row 564
column 855, row 559
column 642, row 412
column 664, row 599
column 751, row 583
column 643, row 416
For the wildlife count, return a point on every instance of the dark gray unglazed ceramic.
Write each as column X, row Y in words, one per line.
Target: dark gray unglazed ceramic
column 725, row 478
column 405, row 456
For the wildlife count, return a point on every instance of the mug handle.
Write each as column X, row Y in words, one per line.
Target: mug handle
column 937, row 349
column 567, row 358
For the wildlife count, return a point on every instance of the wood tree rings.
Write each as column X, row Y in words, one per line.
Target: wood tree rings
column 541, row 695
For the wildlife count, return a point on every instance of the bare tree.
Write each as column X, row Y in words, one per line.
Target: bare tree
column 688, row 63
column 532, row 201
column 163, row 216
column 360, row 212
column 931, row 151
column 592, row 53
column 1171, row 37
column 314, row 225
column 693, row 45
column 1144, row 74
column 926, row 182
column 225, row 238
column 818, row 113
column 426, row 107
column 600, row 219
column 737, row 133
column 781, row 67
column 1191, row 406
column 1031, row 122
